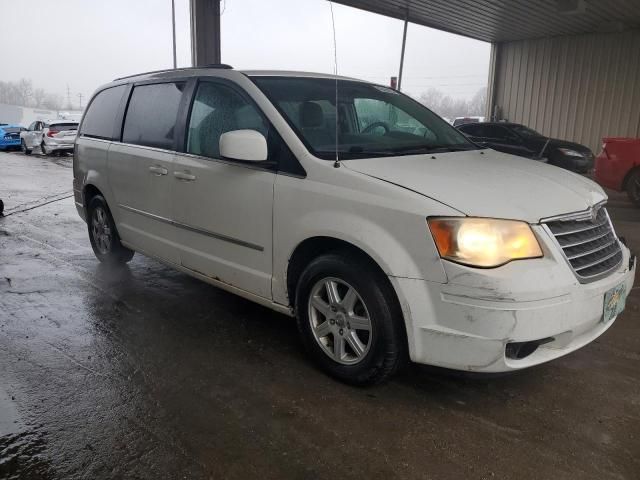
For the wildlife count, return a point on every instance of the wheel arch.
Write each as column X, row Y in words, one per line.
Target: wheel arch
column 314, row 247
column 88, row 192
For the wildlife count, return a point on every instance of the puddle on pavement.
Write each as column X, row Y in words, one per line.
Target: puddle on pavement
column 21, row 449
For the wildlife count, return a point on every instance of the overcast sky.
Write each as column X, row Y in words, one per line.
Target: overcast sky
column 87, row 43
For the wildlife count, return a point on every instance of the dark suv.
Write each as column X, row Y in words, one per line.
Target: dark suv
column 519, row 140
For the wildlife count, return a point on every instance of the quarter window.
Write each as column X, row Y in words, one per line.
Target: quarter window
column 99, row 121
column 151, row 115
column 218, row 109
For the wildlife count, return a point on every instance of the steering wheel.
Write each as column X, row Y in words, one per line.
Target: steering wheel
column 369, row 128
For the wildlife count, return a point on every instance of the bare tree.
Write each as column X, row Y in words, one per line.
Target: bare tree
column 478, row 104
column 52, row 102
column 25, row 87
column 39, row 96
column 9, row 93
column 432, row 98
column 450, row 107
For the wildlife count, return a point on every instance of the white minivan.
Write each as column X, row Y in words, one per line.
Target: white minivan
column 356, row 209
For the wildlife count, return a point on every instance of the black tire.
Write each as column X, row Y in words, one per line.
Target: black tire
column 386, row 340
column 99, row 217
column 633, row 188
column 43, row 149
column 24, row 148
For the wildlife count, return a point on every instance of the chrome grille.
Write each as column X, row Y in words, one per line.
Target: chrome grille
column 590, row 245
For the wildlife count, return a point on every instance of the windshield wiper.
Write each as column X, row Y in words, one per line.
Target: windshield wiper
column 432, row 149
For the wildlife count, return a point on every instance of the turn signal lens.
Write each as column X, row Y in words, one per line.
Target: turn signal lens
column 483, row 242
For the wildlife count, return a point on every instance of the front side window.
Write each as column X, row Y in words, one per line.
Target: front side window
column 500, row 133
column 152, row 114
column 372, row 121
column 99, row 121
column 218, row 109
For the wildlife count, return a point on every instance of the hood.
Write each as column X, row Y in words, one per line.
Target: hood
column 487, row 184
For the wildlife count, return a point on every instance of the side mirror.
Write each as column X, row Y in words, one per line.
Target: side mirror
column 247, row 145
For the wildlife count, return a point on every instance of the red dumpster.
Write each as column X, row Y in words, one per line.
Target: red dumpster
column 618, row 166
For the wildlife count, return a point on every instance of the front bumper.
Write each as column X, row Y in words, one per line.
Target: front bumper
column 577, row 164
column 467, row 323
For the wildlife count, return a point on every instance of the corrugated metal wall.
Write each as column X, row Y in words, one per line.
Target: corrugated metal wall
column 580, row 88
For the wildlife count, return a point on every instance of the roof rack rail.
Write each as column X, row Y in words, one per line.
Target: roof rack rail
column 217, row 65
column 212, row 65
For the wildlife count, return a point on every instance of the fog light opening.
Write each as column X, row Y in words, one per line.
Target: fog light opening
column 520, row 350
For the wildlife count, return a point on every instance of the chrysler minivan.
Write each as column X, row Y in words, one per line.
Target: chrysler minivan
column 380, row 227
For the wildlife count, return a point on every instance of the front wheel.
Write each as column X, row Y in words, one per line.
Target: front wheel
column 633, row 188
column 23, row 146
column 349, row 319
column 103, row 235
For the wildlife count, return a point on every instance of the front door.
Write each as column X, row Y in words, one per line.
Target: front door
column 34, row 135
column 223, row 209
column 141, row 168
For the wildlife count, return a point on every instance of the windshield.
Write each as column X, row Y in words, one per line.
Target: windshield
column 525, row 131
column 11, row 129
column 373, row 121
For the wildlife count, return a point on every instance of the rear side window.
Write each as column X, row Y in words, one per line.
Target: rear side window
column 151, row 115
column 100, row 117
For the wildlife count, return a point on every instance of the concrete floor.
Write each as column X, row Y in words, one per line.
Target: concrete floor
column 144, row 372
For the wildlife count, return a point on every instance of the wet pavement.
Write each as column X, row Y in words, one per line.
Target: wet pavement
column 144, row 372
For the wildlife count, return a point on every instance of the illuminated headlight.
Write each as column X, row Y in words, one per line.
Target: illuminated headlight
column 570, row 153
column 483, row 242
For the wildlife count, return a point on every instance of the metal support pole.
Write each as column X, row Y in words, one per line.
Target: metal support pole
column 492, row 83
column 205, row 32
column 173, row 27
column 404, row 42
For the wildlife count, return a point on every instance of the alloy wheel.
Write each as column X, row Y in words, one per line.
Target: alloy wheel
column 101, row 230
column 340, row 321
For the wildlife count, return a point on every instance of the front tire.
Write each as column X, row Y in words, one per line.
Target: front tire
column 349, row 319
column 103, row 235
column 633, row 188
column 24, row 148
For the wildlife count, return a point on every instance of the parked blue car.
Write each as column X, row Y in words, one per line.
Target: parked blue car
column 10, row 136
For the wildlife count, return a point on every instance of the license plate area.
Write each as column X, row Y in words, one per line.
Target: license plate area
column 614, row 302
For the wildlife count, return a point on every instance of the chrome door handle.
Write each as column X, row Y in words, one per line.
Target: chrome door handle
column 158, row 170
column 187, row 177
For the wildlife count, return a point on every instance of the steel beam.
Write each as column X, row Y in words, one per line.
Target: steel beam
column 404, row 43
column 205, row 32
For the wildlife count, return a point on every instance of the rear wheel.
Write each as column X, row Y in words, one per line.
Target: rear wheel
column 43, row 149
column 633, row 187
column 349, row 320
column 104, row 237
column 24, row 148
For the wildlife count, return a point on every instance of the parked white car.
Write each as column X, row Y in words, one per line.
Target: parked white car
column 50, row 136
column 385, row 244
